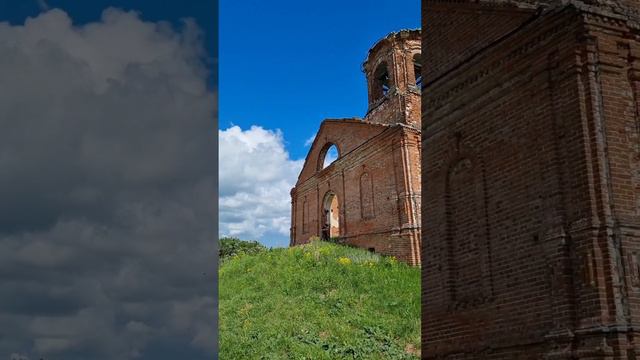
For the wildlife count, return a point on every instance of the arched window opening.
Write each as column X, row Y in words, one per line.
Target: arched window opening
column 332, row 155
column 330, row 217
column 329, row 154
column 381, row 83
column 417, row 69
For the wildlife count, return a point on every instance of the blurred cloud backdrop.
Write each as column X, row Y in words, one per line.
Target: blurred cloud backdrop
column 108, row 179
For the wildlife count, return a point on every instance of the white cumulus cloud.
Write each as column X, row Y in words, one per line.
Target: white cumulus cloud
column 256, row 176
column 309, row 140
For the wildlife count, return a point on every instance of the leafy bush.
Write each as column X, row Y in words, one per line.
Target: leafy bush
column 230, row 246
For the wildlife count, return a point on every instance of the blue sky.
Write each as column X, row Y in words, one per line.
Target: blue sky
column 289, row 64
column 284, row 67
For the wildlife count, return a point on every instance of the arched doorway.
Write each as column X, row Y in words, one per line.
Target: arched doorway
column 330, row 216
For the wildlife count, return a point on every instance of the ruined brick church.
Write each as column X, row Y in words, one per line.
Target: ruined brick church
column 370, row 195
column 531, row 179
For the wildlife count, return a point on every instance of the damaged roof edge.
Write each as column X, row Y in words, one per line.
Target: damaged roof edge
column 386, row 38
column 389, row 128
column 615, row 9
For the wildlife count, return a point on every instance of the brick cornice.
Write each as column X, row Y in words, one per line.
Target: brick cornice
column 446, row 86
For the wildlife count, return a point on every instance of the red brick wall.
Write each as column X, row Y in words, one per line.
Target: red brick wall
column 531, row 184
column 383, row 214
column 613, row 125
column 347, row 135
column 402, row 104
column 457, row 32
column 377, row 176
column 397, row 107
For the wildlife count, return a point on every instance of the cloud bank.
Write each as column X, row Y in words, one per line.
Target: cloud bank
column 107, row 190
column 256, row 176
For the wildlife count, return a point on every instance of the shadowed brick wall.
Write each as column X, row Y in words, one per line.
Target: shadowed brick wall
column 531, row 221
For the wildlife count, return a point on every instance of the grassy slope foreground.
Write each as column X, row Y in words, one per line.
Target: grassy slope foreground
column 318, row 301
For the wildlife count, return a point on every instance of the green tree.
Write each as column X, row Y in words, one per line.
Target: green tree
column 231, row 246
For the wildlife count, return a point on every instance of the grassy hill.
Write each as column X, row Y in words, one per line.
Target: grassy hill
column 318, row 301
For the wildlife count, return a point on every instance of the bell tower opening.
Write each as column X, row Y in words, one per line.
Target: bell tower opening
column 381, row 84
column 393, row 68
column 417, row 70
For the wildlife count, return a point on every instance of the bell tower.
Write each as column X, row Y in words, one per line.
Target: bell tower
column 394, row 79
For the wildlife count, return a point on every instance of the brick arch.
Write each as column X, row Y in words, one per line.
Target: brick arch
column 382, row 80
column 415, row 69
column 468, row 250
column 323, row 154
column 330, row 218
column 366, row 196
column 460, row 205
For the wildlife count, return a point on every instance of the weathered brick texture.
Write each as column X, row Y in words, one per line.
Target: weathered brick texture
column 376, row 178
column 531, row 180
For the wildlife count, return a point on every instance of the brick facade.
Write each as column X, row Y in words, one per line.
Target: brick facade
column 531, row 179
column 376, row 178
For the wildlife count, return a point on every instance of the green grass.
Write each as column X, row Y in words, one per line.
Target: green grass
column 318, row 301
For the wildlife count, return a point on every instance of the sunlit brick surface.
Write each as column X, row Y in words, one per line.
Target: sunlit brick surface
column 376, row 179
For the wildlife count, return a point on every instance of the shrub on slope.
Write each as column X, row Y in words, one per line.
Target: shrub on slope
column 230, row 246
